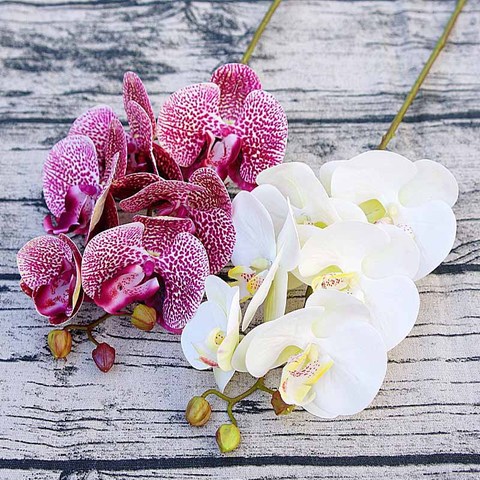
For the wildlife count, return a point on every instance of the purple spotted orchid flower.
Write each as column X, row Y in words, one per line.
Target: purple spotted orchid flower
column 144, row 155
column 50, row 274
column 79, row 171
column 204, row 200
column 230, row 124
column 154, row 260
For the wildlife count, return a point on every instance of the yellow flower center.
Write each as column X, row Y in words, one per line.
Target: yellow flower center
column 333, row 277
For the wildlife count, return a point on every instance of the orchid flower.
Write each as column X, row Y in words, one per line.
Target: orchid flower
column 204, row 199
column 415, row 196
column 79, row 171
column 229, row 124
column 153, row 260
column 311, row 206
column 334, row 360
column 262, row 259
column 50, row 274
column 212, row 335
column 373, row 264
column 144, row 154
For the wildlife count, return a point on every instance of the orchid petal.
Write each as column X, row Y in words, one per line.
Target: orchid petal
column 434, row 226
column 274, row 202
column 348, row 211
column 393, row 303
column 432, row 181
column 116, row 144
column 288, row 245
column 132, row 183
column 229, row 344
column 235, row 81
column 166, row 166
column 184, row 120
column 326, row 172
column 264, row 134
column 222, row 377
column 140, row 126
column 377, row 174
column 276, row 300
column 183, row 270
column 220, row 292
column 133, row 89
column 72, row 161
column 217, row 194
column 254, row 230
column 94, row 124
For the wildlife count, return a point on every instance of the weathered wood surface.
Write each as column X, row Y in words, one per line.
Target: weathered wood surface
column 341, row 69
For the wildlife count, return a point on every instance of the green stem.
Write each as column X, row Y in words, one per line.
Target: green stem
column 90, row 326
column 263, row 24
column 231, row 401
column 423, row 74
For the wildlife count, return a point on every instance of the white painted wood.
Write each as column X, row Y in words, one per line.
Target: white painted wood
column 341, row 69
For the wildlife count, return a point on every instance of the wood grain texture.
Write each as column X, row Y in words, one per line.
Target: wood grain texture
column 341, row 69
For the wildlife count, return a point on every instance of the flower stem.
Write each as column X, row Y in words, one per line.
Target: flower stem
column 423, row 74
column 263, row 24
column 231, row 401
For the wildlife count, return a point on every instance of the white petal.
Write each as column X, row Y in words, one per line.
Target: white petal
column 274, row 202
column 254, row 230
column 432, row 182
column 260, row 295
column 230, row 342
column 276, row 300
column 220, row 292
column 348, row 211
column 400, row 256
column 326, row 172
column 288, row 244
column 360, row 364
column 208, row 316
column 344, row 244
column 434, row 227
column 222, row 377
column 270, row 339
column 393, row 303
column 377, row 174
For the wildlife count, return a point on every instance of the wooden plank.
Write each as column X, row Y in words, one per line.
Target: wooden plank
column 341, row 69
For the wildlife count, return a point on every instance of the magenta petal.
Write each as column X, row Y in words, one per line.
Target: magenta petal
column 72, row 161
column 140, row 126
column 166, row 166
column 185, row 118
column 183, row 271
column 130, row 184
column 216, row 194
column 133, row 89
column 172, row 191
column 236, row 81
column 94, row 124
column 108, row 254
column 160, row 232
column 105, row 215
column 116, row 144
column 264, row 134
column 50, row 273
column 223, row 153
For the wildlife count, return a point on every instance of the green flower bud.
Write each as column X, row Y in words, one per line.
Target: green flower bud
column 280, row 407
column 198, row 412
column 144, row 317
column 60, row 343
column 228, row 437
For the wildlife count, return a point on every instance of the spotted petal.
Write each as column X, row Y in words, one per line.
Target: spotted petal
column 236, row 81
column 184, row 120
column 133, row 89
column 264, row 128
column 140, row 127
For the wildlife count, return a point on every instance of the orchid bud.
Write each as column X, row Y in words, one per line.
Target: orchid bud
column 144, row 317
column 198, row 412
column 279, row 406
column 104, row 357
column 228, row 437
column 60, row 343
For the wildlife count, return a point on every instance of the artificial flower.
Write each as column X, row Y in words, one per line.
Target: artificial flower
column 262, row 259
column 212, row 335
column 334, row 360
column 414, row 196
column 79, row 171
column 50, row 274
column 229, row 124
column 154, row 260
column 204, row 200
column 371, row 263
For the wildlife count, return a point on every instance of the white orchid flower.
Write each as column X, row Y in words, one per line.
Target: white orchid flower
column 374, row 266
column 212, row 335
column 311, row 206
column 262, row 259
column 335, row 361
column 415, row 196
